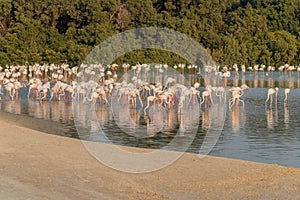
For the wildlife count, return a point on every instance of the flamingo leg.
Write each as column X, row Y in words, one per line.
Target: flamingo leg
column 148, row 104
column 240, row 100
column 203, row 99
column 29, row 92
column 211, row 100
column 267, row 99
column 140, row 100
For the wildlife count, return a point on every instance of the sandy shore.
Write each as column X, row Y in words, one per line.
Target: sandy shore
column 35, row 165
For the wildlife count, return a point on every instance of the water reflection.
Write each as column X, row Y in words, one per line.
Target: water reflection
column 189, row 119
column 270, row 119
column 12, row 107
column 286, row 116
column 260, row 80
column 206, row 119
column 171, row 122
column 54, row 111
column 235, row 117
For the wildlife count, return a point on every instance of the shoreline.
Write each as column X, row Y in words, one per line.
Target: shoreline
column 42, row 125
column 36, row 165
column 63, row 129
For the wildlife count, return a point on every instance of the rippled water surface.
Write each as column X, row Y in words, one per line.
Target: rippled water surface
column 253, row 132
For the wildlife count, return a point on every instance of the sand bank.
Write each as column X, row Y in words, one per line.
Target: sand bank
column 35, row 165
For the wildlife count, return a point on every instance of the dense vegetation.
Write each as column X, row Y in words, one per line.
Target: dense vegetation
column 233, row 31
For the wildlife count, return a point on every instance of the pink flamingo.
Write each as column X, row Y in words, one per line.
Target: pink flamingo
column 271, row 92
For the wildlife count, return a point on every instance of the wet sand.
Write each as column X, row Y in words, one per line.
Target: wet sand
column 35, row 165
column 45, row 126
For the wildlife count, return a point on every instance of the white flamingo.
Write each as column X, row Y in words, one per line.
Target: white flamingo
column 206, row 95
column 286, row 93
column 236, row 98
column 271, row 92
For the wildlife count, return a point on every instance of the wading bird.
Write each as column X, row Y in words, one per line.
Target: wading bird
column 271, row 92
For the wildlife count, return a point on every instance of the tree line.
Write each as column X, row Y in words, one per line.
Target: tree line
column 246, row 32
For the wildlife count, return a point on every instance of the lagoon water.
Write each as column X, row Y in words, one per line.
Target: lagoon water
column 254, row 132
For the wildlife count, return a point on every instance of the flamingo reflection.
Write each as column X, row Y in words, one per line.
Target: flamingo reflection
column 235, row 119
column 272, row 117
column 206, row 119
column 286, row 116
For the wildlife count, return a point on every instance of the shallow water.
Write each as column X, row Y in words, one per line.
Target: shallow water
column 253, row 132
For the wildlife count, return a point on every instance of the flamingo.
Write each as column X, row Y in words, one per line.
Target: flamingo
column 236, row 98
column 271, row 92
column 185, row 92
column 43, row 88
column 169, row 81
column 102, row 93
column 194, row 94
column 206, row 94
column 243, row 68
column 149, row 99
column 55, row 90
column 34, row 83
column 133, row 95
column 17, row 86
column 236, row 69
column 220, row 92
column 10, row 88
column 94, row 97
column 286, row 93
